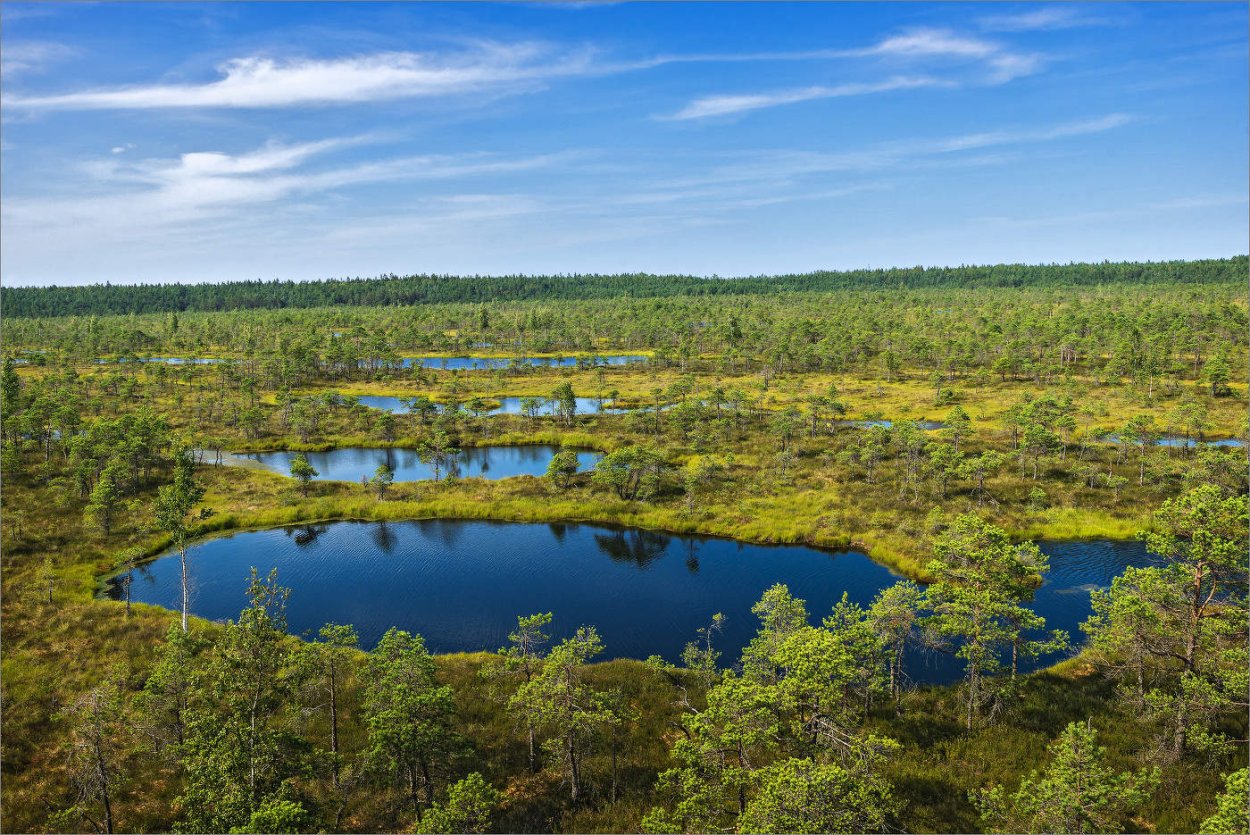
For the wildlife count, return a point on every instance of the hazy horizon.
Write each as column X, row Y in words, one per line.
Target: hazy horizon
column 708, row 276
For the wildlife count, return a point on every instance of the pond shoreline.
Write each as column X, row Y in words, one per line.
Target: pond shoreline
column 357, row 464
column 383, row 574
column 409, row 511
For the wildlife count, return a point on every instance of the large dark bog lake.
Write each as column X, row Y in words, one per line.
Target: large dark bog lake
column 461, row 584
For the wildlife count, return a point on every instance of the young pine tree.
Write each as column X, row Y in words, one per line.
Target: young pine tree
column 1075, row 793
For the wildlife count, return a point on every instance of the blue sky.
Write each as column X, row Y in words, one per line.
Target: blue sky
column 210, row 142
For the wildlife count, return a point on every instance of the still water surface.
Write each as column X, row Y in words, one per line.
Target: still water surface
column 507, row 405
column 461, row 584
column 491, row 363
column 355, row 463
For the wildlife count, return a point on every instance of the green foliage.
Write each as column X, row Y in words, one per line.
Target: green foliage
column 105, row 497
column 802, row 796
column 383, row 478
column 781, row 747
column 741, row 394
column 982, row 579
column 174, row 501
column 393, row 290
column 1175, row 632
column 562, row 468
column 302, row 471
column 408, row 716
column 1217, row 373
column 521, row 660
column 164, row 706
column 276, row 815
column 634, row 472
column 470, row 804
column 326, row 667
column 238, row 757
column 438, row 450
column 1232, row 813
column 700, row 657
column 563, row 708
column 1038, row 500
column 894, row 618
column 10, row 388
column 1076, row 793
column 565, row 402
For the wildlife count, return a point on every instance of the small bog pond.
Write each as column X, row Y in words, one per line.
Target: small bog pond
column 507, row 405
column 491, row 363
column 166, row 360
column 462, row 584
column 355, row 463
column 1181, row 441
column 927, row 425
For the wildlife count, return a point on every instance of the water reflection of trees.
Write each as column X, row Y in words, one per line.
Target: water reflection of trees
column 384, row 537
column 634, row 546
column 446, row 531
column 692, row 555
column 305, row 535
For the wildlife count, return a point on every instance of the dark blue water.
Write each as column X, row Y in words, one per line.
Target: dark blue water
column 354, row 463
column 508, row 405
column 491, row 363
column 461, row 584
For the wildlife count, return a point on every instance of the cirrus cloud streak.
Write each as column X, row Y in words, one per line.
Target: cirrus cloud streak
column 263, row 82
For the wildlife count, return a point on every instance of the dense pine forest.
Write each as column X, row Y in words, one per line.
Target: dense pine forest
column 434, row 289
column 941, row 421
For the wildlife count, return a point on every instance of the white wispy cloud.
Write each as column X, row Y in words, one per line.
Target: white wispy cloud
column 1002, row 64
column 733, row 104
column 930, row 42
column 913, row 43
column 259, row 82
column 283, row 209
column 991, row 62
column 32, row 56
column 163, row 192
column 783, row 166
column 1044, row 18
column 1008, row 137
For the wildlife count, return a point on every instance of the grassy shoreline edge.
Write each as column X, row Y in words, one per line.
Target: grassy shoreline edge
column 352, row 509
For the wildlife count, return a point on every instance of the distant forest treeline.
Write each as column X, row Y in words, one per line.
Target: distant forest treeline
column 419, row 289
